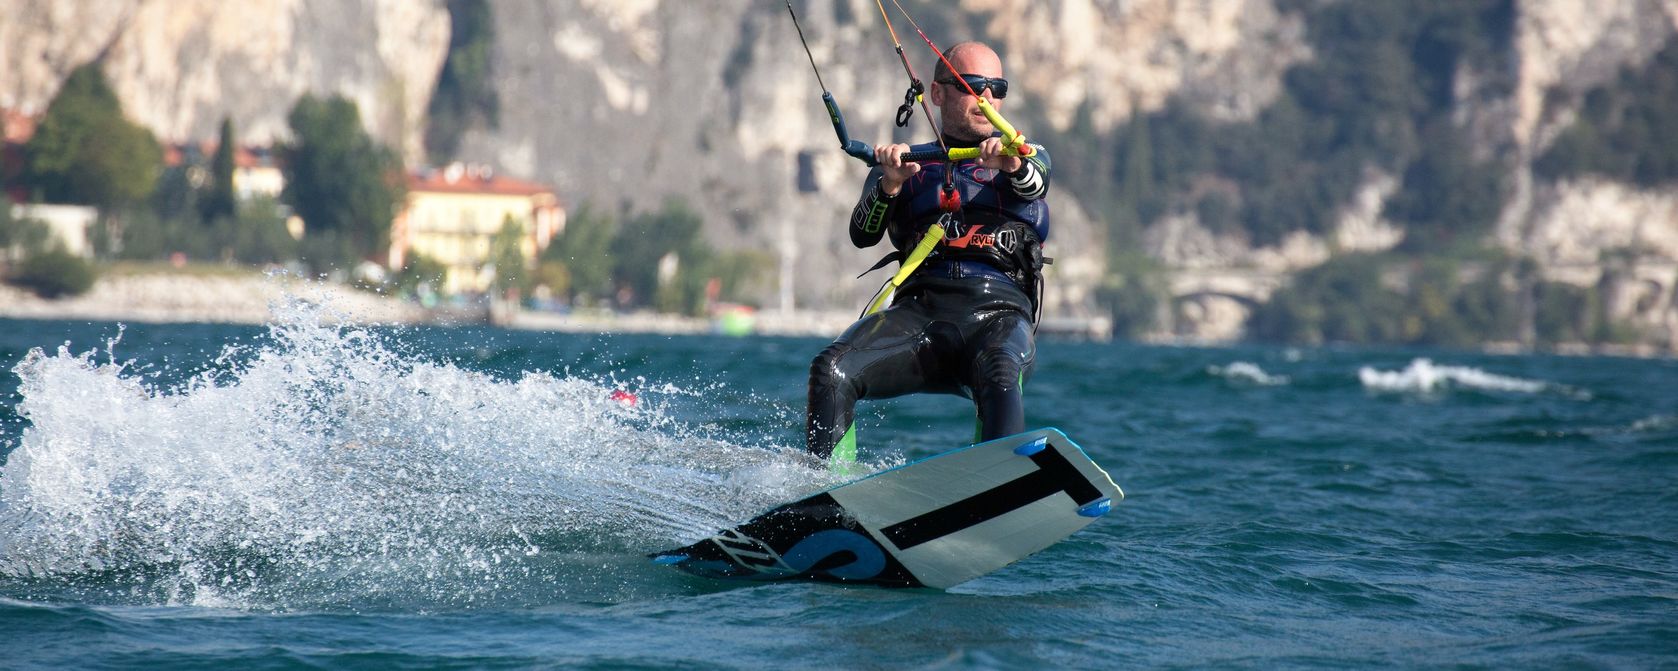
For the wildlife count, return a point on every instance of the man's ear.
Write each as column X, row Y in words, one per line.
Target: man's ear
column 936, row 91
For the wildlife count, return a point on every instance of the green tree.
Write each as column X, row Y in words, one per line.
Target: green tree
column 344, row 185
column 1447, row 195
column 1133, row 294
column 1564, row 313
column 256, row 234
column 645, row 240
column 1138, row 185
column 219, row 200
column 174, row 197
column 1626, row 130
column 1342, row 300
column 584, row 249
column 1486, row 309
column 735, row 272
column 506, row 252
column 420, row 270
column 86, row 152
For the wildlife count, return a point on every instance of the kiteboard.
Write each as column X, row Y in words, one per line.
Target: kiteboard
column 937, row 522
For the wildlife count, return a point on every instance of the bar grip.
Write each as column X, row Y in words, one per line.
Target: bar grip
column 924, row 155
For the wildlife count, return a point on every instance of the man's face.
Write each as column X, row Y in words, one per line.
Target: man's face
column 958, row 110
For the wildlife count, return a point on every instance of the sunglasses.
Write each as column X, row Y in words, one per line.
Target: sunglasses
column 997, row 85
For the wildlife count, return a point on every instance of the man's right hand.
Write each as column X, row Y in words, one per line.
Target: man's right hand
column 896, row 171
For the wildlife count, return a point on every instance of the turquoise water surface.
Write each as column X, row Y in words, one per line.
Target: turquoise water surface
column 307, row 496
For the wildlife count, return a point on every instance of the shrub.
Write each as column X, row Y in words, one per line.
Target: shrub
column 55, row 273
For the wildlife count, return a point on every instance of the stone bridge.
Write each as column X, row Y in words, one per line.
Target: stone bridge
column 1212, row 304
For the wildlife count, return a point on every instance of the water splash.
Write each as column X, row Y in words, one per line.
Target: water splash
column 1251, row 373
column 1423, row 376
column 326, row 468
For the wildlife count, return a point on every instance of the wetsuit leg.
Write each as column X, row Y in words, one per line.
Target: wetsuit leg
column 883, row 355
column 832, row 399
column 1003, row 356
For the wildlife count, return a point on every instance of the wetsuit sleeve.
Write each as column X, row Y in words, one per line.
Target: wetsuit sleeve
column 1031, row 182
column 873, row 210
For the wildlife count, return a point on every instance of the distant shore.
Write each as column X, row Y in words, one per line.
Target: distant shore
column 233, row 296
column 213, row 295
column 201, row 296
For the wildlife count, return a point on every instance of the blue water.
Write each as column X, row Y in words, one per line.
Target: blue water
column 305, row 496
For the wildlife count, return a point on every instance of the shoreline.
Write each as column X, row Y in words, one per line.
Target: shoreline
column 215, row 296
column 206, row 298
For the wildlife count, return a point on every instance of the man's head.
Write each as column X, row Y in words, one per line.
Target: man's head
column 958, row 110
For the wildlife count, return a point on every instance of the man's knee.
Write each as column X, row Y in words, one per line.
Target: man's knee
column 828, row 367
column 1000, row 369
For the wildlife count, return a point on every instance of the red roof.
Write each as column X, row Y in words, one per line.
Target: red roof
column 244, row 156
column 472, row 179
column 19, row 127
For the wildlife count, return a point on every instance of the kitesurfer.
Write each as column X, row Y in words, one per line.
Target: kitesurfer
column 964, row 321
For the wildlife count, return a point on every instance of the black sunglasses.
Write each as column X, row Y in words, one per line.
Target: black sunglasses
column 997, row 85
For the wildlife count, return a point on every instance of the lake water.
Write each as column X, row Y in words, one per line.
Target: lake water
column 305, row 496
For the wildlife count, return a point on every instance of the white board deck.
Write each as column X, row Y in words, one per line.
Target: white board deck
column 937, row 522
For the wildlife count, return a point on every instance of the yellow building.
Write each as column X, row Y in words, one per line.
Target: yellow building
column 452, row 215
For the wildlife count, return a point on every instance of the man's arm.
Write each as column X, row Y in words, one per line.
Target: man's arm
column 1031, row 181
column 868, row 218
column 882, row 188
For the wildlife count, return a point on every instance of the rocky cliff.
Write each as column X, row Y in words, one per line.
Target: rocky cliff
column 180, row 66
column 624, row 103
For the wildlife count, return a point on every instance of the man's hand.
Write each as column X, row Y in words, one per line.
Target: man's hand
column 990, row 156
column 896, row 171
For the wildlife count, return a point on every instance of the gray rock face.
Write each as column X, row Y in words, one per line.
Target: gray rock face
column 41, row 41
column 180, row 66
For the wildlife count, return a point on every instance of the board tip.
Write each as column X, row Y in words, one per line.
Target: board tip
column 1096, row 508
column 1032, row 447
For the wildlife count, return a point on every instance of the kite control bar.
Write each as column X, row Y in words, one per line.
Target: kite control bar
column 1015, row 146
column 862, row 152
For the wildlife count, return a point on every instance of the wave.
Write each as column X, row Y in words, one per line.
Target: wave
column 1423, row 376
column 323, row 466
column 1242, row 371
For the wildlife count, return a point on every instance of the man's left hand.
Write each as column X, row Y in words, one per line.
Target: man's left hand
column 990, row 156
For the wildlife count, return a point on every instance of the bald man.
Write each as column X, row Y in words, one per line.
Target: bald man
column 964, row 322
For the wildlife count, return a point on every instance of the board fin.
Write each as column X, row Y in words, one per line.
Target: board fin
column 843, row 459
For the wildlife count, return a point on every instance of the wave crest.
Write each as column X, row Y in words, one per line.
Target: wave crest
column 1423, row 376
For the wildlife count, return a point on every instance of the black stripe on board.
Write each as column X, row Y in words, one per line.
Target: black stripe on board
column 1054, row 474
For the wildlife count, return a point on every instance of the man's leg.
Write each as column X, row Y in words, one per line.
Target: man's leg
column 1002, row 358
column 881, row 356
column 832, row 400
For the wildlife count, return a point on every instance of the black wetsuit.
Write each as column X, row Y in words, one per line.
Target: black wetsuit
column 963, row 323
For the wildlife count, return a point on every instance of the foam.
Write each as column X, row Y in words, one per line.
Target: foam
column 323, row 466
column 1242, row 371
column 1423, row 376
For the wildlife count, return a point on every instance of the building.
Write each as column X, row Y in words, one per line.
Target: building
column 70, row 226
column 255, row 170
column 256, row 173
column 452, row 215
